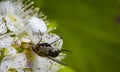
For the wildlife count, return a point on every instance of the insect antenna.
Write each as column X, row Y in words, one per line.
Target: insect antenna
column 60, row 50
column 40, row 36
column 55, row 41
column 65, row 51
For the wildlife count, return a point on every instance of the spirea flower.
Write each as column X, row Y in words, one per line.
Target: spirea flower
column 22, row 26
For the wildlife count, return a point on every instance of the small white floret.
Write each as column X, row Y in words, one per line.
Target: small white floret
column 20, row 61
column 37, row 25
column 5, row 41
column 11, row 51
column 6, row 63
column 10, row 25
column 3, row 28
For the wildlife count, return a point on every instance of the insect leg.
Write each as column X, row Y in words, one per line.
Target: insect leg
column 65, row 50
column 40, row 36
column 55, row 41
column 60, row 62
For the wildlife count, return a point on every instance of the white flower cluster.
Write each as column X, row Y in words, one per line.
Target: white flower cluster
column 20, row 25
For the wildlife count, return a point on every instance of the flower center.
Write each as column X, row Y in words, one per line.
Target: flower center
column 12, row 17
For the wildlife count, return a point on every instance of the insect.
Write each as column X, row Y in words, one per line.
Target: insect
column 46, row 50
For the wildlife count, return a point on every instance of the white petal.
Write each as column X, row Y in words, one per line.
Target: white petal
column 5, row 41
column 33, row 38
column 3, row 28
column 43, row 64
column 40, row 64
column 8, row 6
column 50, row 38
column 37, row 25
column 6, row 63
column 11, row 51
column 53, row 68
column 11, row 25
column 20, row 61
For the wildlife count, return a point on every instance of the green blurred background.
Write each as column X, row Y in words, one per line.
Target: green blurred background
column 90, row 29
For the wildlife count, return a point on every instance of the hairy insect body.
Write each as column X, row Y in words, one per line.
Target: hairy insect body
column 45, row 49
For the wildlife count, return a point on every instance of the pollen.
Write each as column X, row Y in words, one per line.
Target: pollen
column 11, row 17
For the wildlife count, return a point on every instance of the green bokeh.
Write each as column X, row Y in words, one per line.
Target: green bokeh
column 90, row 30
